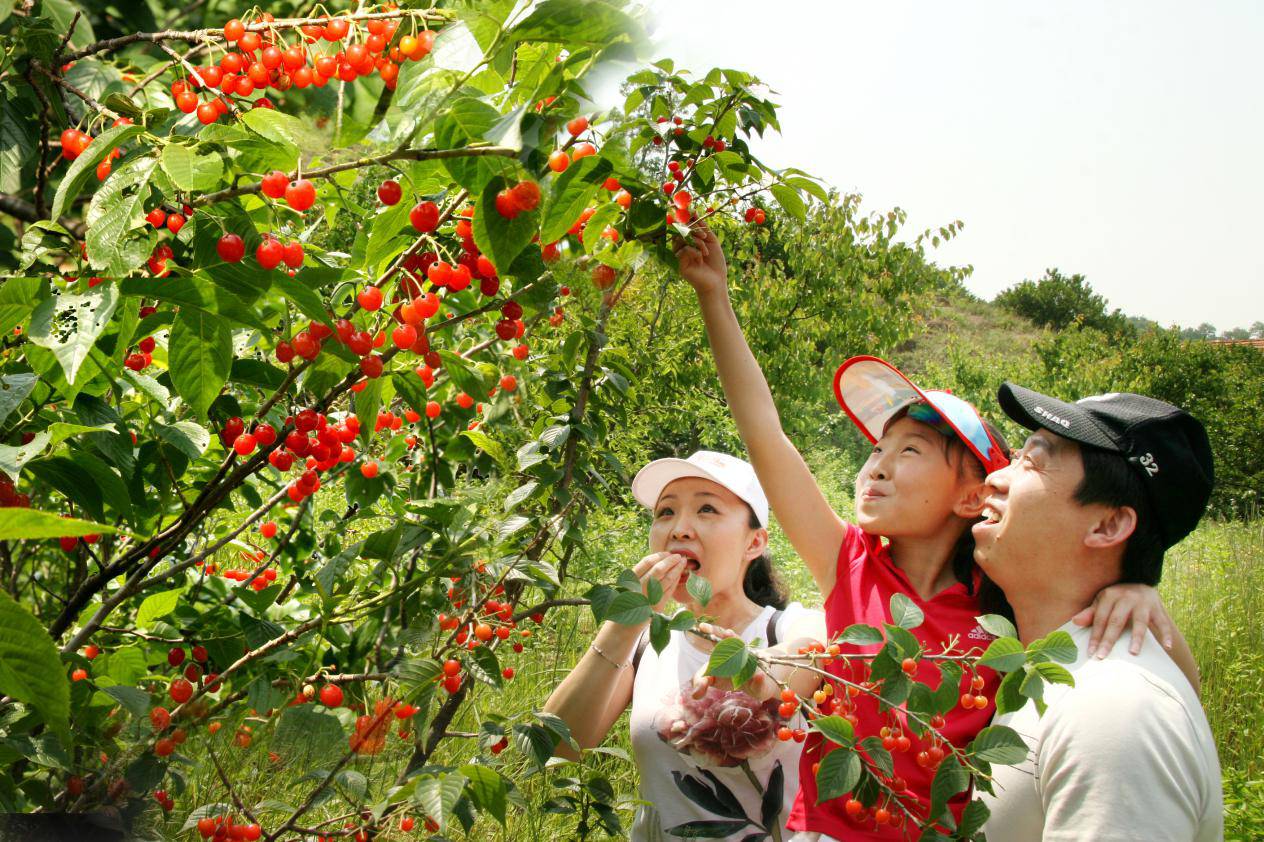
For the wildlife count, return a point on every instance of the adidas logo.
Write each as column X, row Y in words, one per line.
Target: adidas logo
column 978, row 633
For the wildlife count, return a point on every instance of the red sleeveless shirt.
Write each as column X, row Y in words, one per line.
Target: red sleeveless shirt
column 865, row 582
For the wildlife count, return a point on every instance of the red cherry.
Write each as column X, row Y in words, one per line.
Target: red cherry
column 200, row 654
column 507, row 672
column 404, row 336
column 369, row 470
column 506, row 206
column 300, row 194
column 603, row 276
column 269, row 253
column 207, row 113
column 175, row 656
column 559, row 160
column 509, row 383
column 269, row 529
column 244, row 444
column 292, row 254
column 424, row 217
column 526, row 195
column 156, row 217
column 577, row 126
column 390, row 192
column 234, row 29
column 370, row 298
column 433, row 409
column 331, row 696
column 274, row 184
column 231, row 248
column 181, row 691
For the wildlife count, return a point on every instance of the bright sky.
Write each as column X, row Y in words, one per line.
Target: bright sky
column 1123, row 139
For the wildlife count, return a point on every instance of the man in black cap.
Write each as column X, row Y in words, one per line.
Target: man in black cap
column 1100, row 490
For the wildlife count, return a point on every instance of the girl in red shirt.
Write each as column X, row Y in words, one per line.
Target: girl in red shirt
column 920, row 490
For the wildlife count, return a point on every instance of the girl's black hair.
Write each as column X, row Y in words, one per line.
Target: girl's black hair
column 761, row 583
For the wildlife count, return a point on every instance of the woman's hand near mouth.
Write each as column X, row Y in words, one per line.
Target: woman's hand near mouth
column 668, row 568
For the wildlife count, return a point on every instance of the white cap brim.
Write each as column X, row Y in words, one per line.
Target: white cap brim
column 649, row 482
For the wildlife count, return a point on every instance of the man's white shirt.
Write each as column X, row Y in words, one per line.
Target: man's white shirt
column 1124, row 755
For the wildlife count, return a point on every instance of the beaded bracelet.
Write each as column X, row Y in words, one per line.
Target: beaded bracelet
column 594, row 647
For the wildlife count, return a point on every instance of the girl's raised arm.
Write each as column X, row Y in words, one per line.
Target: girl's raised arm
column 802, row 510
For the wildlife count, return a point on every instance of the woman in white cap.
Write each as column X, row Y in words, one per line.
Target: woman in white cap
column 709, row 518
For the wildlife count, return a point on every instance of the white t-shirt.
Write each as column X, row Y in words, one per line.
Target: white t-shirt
column 1124, row 755
column 659, row 677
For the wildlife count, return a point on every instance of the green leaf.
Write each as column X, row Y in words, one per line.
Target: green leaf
column 488, row 789
column 189, row 170
column 302, row 732
column 835, row 728
column 790, row 201
column 469, row 121
column 520, row 493
column 14, row 388
column 573, row 191
column 22, row 524
column 330, row 573
column 699, row 588
column 837, row 775
column 133, row 699
column 606, row 214
column 998, row 744
column 438, row 795
column 1009, row 697
column 156, row 606
column 996, row 625
column 499, row 238
column 973, row 818
column 487, row 444
column 200, row 355
column 283, row 129
column 69, row 325
column 61, row 13
column 116, row 209
column 84, row 167
column 948, row 692
column 1053, row 673
column 1057, row 646
column 18, row 297
column 905, row 613
column 574, row 22
column 1004, row 655
column 950, row 779
column 367, row 403
column 862, row 635
column 30, row 667
column 187, row 437
column 728, row 658
column 629, row 609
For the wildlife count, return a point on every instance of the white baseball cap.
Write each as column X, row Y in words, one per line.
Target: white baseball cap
column 735, row 474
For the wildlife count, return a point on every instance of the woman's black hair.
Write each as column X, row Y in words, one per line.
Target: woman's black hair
column 761, row 583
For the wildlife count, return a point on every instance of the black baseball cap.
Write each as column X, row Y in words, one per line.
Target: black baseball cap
column 1164, row 444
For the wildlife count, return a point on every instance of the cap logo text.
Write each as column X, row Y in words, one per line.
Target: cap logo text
column 1049, row 416
column 1147, row 462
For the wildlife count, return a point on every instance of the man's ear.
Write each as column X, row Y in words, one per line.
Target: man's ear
column 1112, row 528
column 757, row 544
column 970, row 504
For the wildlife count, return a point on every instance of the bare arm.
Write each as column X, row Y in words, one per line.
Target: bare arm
column 594, row 694
column 596, row 691
column 813, row 528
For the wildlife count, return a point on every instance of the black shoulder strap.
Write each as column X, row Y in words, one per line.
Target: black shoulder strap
column 771, row 636
column 640, row 649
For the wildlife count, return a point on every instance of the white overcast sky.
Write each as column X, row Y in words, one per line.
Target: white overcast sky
column 1122, row 140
